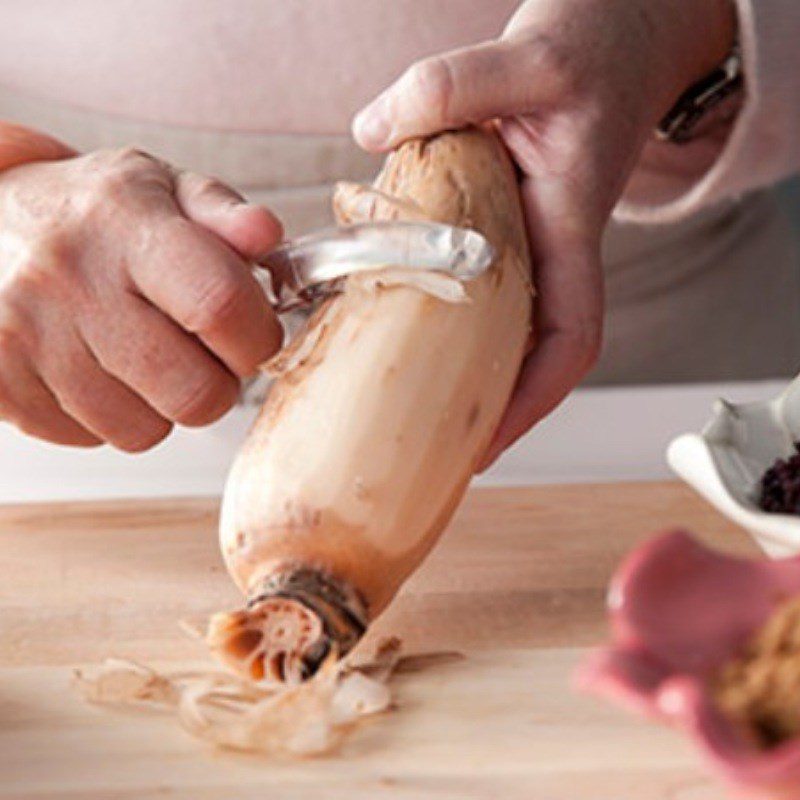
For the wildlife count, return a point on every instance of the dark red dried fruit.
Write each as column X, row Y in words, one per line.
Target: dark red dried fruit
column 780, row 485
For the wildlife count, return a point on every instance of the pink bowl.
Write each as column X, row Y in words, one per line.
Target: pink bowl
column 679, row 610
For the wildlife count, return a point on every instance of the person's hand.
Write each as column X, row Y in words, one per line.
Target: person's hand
column 127, row 301
column 578, row 87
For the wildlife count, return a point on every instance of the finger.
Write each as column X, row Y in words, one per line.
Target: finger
column 101, row 403
column 161, row 363
column 209, row 291
column 568, row 312
column 29, row 405
column 19, row 145
column 249, row 229
column 463, row 86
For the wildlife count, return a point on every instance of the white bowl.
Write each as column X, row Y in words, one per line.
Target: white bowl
column 725, row 462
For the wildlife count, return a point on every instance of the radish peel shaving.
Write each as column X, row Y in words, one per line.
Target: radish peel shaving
column 269, row 717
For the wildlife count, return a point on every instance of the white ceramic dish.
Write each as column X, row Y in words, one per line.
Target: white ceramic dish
column 725, row 462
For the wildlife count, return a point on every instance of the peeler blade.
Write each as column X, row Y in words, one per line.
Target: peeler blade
column 312, row 266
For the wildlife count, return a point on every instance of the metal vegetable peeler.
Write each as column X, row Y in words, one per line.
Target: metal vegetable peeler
column 311, row 267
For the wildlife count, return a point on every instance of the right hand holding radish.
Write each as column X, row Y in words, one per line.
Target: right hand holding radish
column 127, row 301
column 578, row 87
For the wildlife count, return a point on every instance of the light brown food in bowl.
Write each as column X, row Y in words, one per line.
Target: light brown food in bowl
column 760, row 689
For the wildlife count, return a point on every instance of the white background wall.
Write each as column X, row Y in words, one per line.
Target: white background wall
column 597, row 435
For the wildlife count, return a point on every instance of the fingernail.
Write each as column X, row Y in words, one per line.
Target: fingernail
column 371, row 128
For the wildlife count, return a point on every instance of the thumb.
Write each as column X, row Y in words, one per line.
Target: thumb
column 249, row 229
column 498, row 78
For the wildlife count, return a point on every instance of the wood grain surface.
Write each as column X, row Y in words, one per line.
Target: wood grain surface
column 517, row 584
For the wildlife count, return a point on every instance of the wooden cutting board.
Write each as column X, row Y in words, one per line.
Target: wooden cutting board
column 517, row 584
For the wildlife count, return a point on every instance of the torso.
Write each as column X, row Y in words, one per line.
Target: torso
column 260, row 65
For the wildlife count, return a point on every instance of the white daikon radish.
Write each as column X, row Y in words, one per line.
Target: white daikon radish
column 372, row 431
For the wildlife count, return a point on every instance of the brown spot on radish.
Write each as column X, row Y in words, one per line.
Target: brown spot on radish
column 233, row 620
column 277, row 666
column 473, row 415
column 245, row 642
column 257, row 669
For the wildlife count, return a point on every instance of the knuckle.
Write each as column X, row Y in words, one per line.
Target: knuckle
column 222, row 300
column 432, row 84
column 208, row 189
column 116, row 160
column 554, row 61
column 114, row 174
column 205, row 184
column 206, row 400
column 112, row 186
column 48, row 274
column 128, row 155
column 53, row 249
